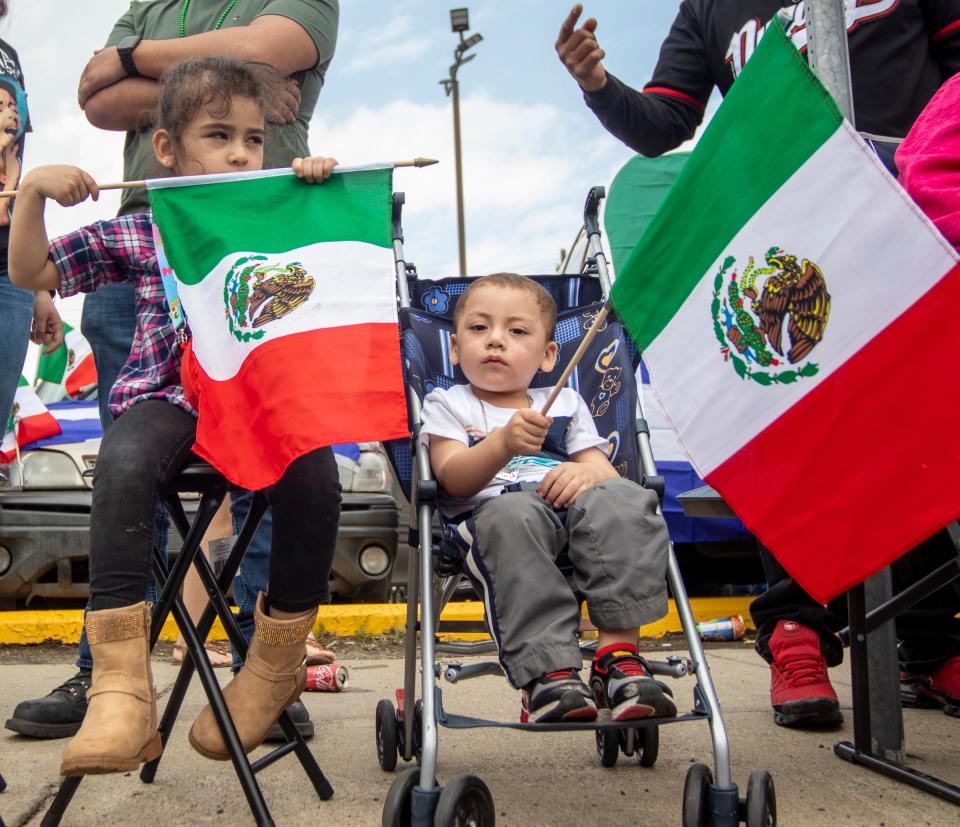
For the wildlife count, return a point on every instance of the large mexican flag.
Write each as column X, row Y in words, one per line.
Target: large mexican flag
column 790, row 300
column 289, row 292
column 67, row 372
column 28, row 421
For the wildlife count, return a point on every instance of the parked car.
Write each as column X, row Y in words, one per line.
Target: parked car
column 45, row 517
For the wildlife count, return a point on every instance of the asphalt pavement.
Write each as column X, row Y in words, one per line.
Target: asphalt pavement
column 535, row 779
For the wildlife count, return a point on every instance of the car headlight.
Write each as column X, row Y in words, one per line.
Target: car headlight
column 372, row 474
column 9, row 475
column 50, row 469
column 347, row 470
column 6, row 558
column 374, row 560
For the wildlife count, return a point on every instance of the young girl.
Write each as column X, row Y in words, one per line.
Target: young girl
column 209, row 120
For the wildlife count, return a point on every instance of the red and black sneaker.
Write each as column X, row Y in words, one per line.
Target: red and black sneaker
column 623, row 683
column 800, row 688
column 938, row 690
column 557, row 696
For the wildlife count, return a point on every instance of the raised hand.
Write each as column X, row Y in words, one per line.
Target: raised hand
column 580, row 52
column 64, row 184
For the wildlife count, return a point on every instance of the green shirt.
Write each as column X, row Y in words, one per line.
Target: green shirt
column 160, row 20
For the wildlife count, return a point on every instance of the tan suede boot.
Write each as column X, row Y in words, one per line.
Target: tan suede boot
column 119, row 731
column 271, row 679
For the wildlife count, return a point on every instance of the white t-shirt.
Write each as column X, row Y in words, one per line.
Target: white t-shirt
column 456, row 413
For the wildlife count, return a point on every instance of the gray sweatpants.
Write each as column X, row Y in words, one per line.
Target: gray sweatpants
column 617, row 544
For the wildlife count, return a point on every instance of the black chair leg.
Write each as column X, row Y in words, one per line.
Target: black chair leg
column 194, row 636
column 61, row 801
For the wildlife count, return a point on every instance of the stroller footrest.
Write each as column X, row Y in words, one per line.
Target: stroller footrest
column 460, row 672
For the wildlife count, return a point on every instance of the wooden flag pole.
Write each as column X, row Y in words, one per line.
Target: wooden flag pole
column 129, row 185
column 585, row 342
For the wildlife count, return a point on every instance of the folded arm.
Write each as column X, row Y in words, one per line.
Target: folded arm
column 111, row 100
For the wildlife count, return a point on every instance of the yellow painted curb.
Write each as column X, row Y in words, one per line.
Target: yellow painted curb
column 30, row 627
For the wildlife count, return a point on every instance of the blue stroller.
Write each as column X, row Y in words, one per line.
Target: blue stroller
column 605, row 379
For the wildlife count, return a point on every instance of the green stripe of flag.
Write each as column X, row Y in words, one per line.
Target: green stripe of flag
column 745, row 155
column 255, row 215
column 52, row 366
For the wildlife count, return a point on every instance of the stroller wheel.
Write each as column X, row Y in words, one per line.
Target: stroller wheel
column 761, row 800
column 465, row 802
column 648, row 745
column 387, row 726
column 398, row 805
column 696, row 796
column 608, row 746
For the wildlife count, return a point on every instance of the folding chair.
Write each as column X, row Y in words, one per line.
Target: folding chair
column 198, row 477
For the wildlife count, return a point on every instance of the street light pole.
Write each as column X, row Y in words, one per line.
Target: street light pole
column 459, row 22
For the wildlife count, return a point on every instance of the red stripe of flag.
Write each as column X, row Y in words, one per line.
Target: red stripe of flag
column 847, row 481
column 298, row 393
column 85, row 376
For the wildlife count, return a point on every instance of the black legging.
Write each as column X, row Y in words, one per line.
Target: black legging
column 143, row 451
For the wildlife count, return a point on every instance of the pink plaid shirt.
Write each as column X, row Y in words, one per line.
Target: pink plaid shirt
column 118, row 250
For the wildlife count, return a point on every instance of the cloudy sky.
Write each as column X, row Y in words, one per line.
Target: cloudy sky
column 531, row 149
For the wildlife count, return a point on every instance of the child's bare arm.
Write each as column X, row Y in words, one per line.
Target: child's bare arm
column 29, row 263
column 569, row 480
column 463, row 471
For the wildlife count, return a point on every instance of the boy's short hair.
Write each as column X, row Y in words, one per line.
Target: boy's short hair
column 545, row 303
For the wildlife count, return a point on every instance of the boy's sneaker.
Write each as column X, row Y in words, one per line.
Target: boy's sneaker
column 623, row 683
column 557, row 696
column 57, row 715
column 800, row 688
column 938, row 690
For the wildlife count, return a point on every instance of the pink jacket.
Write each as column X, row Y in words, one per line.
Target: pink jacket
column 929, row 160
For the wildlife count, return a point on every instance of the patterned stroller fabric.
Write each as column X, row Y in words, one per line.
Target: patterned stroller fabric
column 604, row 377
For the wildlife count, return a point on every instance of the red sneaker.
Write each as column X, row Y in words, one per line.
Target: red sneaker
column 800, row 688
column 940, row 689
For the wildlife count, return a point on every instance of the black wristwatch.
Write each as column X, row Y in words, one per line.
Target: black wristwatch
column 125, row 50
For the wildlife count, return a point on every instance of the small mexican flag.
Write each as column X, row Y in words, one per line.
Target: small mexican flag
column 69, row 371
column 790, row 300
column 29, row 420
column 289, row 292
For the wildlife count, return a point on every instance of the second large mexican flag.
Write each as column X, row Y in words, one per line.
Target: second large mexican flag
column 790, row 299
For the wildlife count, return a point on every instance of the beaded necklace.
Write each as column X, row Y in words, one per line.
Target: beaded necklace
column 217, row 25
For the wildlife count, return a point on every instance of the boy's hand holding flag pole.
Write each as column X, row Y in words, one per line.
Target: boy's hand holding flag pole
column 787, row 297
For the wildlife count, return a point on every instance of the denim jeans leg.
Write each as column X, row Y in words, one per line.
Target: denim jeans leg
column 108, row 323
column 16, row 315
column 254, row 573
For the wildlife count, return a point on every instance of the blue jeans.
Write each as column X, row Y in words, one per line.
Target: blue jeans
column 16, row 314
column 108, row 323
column 254, row 573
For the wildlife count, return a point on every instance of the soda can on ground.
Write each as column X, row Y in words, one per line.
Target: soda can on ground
column 722, row 628
column 327, row 677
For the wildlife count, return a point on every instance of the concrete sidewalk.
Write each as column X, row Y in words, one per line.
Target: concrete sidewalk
column 534, row 779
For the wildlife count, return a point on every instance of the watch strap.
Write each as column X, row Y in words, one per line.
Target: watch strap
column 125, row 51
